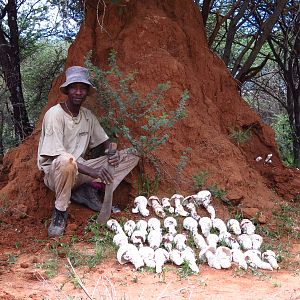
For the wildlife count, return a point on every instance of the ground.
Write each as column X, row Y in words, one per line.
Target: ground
column 33, row 266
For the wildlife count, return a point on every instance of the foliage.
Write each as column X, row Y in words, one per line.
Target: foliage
column 123, row 106
column 239, row 136
column 200, row 179
column 283, row 135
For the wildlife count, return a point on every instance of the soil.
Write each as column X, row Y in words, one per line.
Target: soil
column 163, row 41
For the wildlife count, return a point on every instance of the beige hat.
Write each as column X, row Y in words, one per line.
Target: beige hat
column 77, row 74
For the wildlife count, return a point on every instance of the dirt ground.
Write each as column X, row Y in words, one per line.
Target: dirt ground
column 26, row 271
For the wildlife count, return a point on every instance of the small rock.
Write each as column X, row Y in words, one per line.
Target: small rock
column 24, row 265
column 35, row 260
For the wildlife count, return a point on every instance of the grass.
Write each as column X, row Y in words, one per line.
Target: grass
column 239, row 136
column 50, row 266
column 184, row 271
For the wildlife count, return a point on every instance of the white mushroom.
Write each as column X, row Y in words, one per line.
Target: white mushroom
column 256, row 241
column 199, row 241
column 168, row 240
column 245, row 241
column 219, row 225
column 129, row 253
column 253, row 259
column 120, row 239
column 203, row 198
column 179, row 241
column 212, row 240
column 160, row 256
column 154, row 239
column 239, row 258
column 138, row 237
column 170, row 224
column 188, row 255
column 141, row 225
column 129, row 227
column 270, row 257
column 269, row 158
column 114, row 226
column 176, row 257
column 233, row 226
column 190, row 224
column 179, row 210
column 193, row 211
column 165, row 202
column 140, row 206
column 209, row 255
column 158, row 209
column 153, row 224
column 247, row 226
column 147, row 253
column 224, row 256
column 206, row 225
column 211, row 211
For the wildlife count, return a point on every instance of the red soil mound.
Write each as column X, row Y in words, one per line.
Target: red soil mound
column 165, row 41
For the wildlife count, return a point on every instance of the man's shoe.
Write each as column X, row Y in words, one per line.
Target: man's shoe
column 89, row 196
column 58, row 223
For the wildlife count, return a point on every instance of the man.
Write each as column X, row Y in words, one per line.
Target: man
column 68, row 131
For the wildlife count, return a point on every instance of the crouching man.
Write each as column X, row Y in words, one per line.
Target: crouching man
column 68, row 131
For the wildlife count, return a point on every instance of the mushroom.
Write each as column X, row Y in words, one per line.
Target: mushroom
column 170, row 224
column 245, row 241
column 155, row 203
column 209, row 254
column 220, row 225
column 138, row 237
column 206, row 225
column 247, row 226
column 167, row 240
column 154, row 239
column 270, row 257
column 224, row 256
column 256, row 241
column 179, row 210
column 176, row 257
column 233, row 226
column 147, row 254
column 190, row 224
column 203, row 198
column 229, row 240
column 193, row 211
column 160, row 256
column 129, row 227
column 179, row 241
column 140, row 206
column 212, row 240
column 239, row 258
column 130, row 253
column 211, row 211
column 120, row 239
column 253, row 259
column 199, row 241
column 141, row 225
column 114, row 226
column 153, row 224
column 165, row 202
column 188, row 255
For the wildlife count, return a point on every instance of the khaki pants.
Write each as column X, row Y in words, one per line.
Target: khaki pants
column 63, row 174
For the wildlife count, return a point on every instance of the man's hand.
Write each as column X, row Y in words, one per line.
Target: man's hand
column 114, row 159
column 100, row 173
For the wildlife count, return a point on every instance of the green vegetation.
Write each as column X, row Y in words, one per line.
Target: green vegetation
column 240, row 136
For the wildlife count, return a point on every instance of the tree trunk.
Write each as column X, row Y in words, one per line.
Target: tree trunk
column 10, row 65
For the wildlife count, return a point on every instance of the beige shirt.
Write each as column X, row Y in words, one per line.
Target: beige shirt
column 62, row 133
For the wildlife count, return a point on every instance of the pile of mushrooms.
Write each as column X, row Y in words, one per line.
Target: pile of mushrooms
column 156, row 241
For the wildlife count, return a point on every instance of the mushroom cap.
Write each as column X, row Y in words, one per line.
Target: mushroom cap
column 174, row 197
column 153, row 224
column 151, row 198
column 125, row 252
column 203, row 197
column 141, row 225
column 189, row 223
column 170, row 221
column 140, row 199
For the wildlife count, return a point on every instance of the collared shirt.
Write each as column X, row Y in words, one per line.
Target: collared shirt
column 62, row 133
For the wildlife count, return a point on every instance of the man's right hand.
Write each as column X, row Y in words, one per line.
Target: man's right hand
column 100, row 173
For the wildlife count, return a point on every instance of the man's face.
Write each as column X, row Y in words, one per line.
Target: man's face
column 77, row 92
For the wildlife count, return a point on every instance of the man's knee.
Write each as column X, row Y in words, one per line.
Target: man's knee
column 65, row 163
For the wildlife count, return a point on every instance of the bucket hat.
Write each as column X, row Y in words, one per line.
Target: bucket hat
column 77, row 74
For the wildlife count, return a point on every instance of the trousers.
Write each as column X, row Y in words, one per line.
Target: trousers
column 63, row 175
